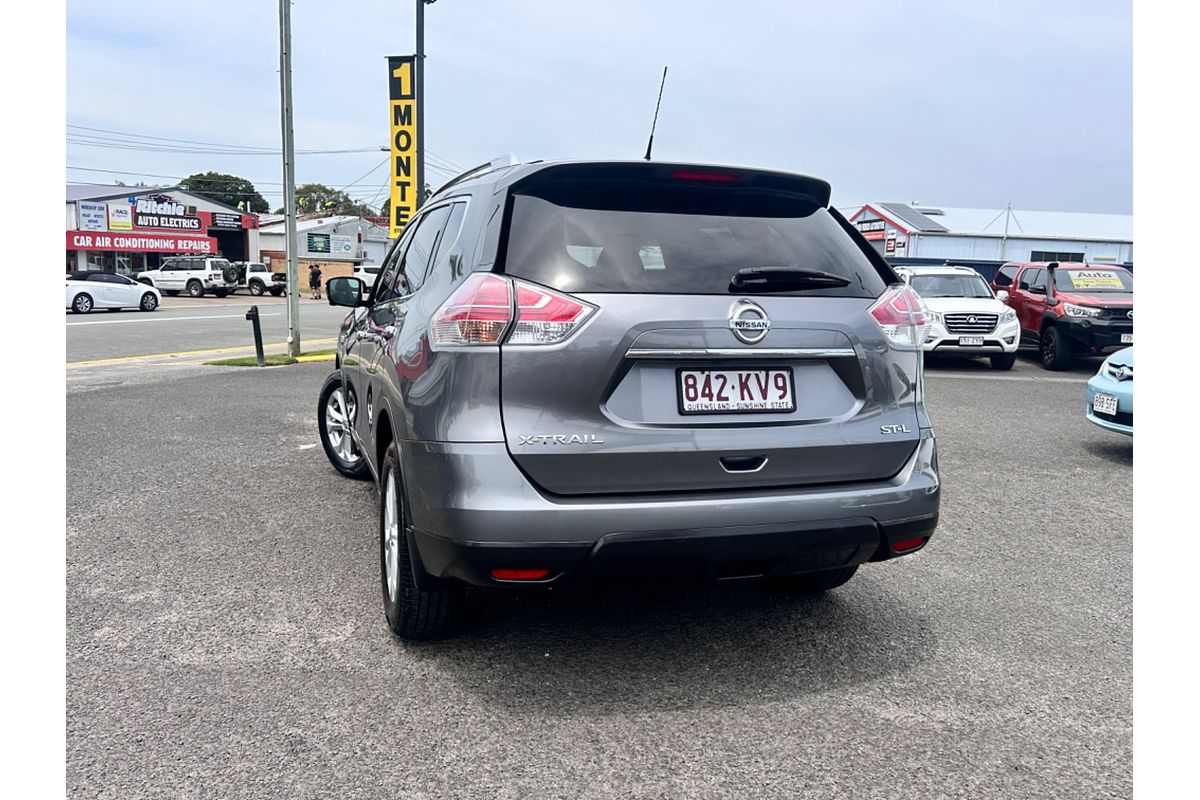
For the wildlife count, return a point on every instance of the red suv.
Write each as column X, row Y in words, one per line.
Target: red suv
column 1068, row 309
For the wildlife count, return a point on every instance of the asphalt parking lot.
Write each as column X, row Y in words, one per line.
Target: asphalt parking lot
column 225, row 635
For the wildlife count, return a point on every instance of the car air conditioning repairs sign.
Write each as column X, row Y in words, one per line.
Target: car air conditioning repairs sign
column 402, row 102
column 140, row 242
column 93, row 216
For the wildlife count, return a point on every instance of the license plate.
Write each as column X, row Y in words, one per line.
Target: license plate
column 731, row 391
column 970, row 341
column 1126, row 338
column 1105, row 404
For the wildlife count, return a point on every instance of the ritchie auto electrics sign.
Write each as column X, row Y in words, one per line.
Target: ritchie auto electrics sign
column 162, row 212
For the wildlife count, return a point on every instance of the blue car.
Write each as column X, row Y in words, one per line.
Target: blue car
column 1110, row 393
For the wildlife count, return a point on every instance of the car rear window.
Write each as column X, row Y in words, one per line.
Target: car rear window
column 676, row 242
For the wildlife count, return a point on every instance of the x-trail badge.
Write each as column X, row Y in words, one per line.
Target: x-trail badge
column 748, row 321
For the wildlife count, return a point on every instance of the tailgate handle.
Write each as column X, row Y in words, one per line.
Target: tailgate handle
column 743, row 464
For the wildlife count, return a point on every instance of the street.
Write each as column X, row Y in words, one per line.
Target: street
column 183, row 324
column 225, row 635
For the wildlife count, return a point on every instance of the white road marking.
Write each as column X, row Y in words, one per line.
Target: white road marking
column 981, row 377
column 164, row 319
column 307, row 446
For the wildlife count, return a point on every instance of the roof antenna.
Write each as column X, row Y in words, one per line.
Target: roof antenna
column 653, row 125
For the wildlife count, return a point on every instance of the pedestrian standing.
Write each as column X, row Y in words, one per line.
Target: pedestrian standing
column 314, row 281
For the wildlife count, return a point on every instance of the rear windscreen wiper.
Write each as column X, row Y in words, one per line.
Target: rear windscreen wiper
column 783, row 279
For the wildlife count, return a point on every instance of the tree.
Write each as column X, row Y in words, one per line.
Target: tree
column 317, row 198
column 227, row 189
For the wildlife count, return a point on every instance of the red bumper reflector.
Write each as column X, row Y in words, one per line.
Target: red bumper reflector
column 908, row 544
column 501, row 574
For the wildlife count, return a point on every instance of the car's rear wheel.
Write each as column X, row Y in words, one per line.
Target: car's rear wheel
column 335, row 414
column 82, row 304
column 256, row 288
column 1055, row 349
column 412, row 613
column 1005, row 361
column 149, row 302
column 195, row 289
column 813, row 582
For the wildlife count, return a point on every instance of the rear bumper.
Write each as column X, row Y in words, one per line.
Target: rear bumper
column 474, row 511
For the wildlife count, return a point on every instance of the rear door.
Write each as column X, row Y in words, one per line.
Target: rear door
column 676, row 381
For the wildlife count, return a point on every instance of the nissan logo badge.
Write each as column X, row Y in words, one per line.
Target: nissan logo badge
column 748, row 321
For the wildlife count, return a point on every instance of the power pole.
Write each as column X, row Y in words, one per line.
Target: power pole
column 419, row 92
column 289, row 176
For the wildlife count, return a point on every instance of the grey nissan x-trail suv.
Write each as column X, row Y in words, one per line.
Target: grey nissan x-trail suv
column 572, row 369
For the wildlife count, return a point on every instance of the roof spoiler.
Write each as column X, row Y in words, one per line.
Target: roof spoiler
column 499, row 162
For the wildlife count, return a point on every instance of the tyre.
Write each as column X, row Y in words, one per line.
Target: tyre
column 256, row 288
column 230, row 274
column 813, row 582
column 1055, row 349
column 220, row 292
column 173, row 292
column 335, row 415
column 195, row 289
column 149, row 302
column 276, row 292
column 83, row 303
column 413, row 614
column 1004, row 361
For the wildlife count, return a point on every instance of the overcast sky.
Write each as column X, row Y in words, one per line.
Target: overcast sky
column 950, row 103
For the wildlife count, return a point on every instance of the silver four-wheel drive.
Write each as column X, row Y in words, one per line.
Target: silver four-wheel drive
column 582, row 369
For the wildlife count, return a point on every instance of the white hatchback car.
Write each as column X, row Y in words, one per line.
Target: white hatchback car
column 965, row 317
column 94, row 289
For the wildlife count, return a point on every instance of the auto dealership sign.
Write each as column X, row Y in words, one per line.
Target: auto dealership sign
column 402, row 101
column 140, row 242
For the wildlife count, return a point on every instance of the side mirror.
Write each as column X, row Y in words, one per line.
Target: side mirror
column 349, row 292
column 1002, row 296
column 1037, row 289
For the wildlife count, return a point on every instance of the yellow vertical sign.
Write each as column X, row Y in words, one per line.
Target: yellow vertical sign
column 402, row 103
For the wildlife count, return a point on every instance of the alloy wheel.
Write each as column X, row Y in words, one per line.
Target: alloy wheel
column 339, row 416
column 391, row 538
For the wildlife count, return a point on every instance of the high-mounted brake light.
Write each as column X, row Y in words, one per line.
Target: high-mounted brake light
column 900, row 314
column 481, row 310
column 707, row 177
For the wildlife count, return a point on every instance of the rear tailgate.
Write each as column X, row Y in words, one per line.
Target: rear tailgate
column 605, row 411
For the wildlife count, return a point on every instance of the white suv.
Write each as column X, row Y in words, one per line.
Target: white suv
column 965, row 317
column 194, row 275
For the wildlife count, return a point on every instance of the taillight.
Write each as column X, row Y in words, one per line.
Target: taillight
column 481, row 310
column 901, row 316
column 545, row 316
column 477, row 313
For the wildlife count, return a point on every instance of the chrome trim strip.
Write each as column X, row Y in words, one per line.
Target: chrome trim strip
column 739, row 352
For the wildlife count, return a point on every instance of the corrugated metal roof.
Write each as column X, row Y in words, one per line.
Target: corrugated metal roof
column 82, row 191
column 304, row 224
column 1022, row 223
column 1036, row 224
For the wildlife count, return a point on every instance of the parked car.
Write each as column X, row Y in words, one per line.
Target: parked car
column 367, row 272
column 257, row 278
column 574, row 369
column 195, row 275
column 965, row 317
column 1069, row 309
column 89, row 290
column 1110, row 393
